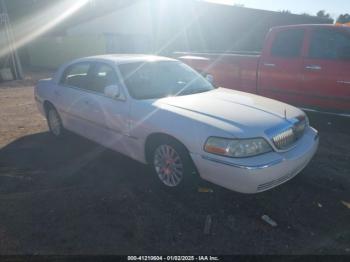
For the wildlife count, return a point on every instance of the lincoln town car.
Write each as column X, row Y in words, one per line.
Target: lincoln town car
column 161, row 112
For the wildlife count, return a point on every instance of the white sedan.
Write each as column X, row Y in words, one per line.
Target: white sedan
column 161, row 112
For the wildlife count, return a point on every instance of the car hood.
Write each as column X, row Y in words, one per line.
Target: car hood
column 232, row 111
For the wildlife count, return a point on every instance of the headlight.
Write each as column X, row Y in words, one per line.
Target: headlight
column 237, row 148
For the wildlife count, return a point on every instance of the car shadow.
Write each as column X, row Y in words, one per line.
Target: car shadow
column 73, row 196
column 48, row 159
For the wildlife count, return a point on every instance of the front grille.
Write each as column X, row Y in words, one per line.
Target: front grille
column 274, row 183
column 289, row 137
column 285, row 139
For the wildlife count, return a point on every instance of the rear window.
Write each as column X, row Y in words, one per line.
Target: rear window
column 288, row 43
column 76, row 75
column 329, row 44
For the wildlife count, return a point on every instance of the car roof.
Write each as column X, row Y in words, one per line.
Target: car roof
column 125, row 58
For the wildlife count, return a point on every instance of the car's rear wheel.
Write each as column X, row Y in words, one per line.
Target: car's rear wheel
column 54, row 121
column 171, row 163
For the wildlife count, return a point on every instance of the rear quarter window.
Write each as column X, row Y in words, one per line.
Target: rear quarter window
column 76, row 75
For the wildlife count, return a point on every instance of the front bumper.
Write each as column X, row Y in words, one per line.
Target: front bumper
column 260, row 173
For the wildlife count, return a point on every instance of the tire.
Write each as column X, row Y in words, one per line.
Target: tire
column 171, row 163
column 54, row 122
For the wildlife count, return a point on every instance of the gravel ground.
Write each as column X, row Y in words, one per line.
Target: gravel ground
column 73, row 197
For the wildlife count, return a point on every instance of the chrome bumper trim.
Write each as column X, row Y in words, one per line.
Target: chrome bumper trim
column 257, row 167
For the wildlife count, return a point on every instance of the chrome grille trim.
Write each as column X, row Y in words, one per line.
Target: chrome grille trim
column 286, row 135
column 285, row 139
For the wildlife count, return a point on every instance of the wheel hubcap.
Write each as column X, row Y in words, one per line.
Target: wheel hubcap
column 55, row 123
column 168, row 165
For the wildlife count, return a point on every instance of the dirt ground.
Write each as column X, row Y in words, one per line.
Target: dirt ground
column 73, row 197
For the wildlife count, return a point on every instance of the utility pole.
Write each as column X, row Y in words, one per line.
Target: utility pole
column 5, row 26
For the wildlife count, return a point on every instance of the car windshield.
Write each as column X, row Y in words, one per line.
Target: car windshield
column 151, row 80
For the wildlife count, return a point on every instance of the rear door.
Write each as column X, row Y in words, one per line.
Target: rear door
column 326, row 67
column 280, row 66
column 72, row 97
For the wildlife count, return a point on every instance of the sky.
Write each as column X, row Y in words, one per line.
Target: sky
column 334, row 7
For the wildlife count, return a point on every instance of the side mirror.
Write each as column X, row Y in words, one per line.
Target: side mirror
column 210, row 78
column 112, row 91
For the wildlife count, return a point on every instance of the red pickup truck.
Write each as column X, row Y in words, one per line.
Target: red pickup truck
column 304, row 65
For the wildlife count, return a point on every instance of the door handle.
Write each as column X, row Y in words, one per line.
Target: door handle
column 269, row 65
column 56, row 93
column 343, row 82
column 313, row 67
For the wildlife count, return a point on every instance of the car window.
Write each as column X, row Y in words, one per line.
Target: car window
column 288, row 43
column 103, row 76
column 77, row 75
column 328, row 44
column 152, row 80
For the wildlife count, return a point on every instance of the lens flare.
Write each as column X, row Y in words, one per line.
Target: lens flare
column 28, row 30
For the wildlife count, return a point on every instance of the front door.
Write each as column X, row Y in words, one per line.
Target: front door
column 108, row 117
column 280, row 67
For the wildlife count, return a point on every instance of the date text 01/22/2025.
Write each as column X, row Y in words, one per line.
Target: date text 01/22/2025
column 173, row 258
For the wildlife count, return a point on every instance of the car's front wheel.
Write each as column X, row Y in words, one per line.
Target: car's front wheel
column 54, row 121
column 171, row 163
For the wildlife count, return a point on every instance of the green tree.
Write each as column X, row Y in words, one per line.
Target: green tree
column 285, row 12
column 323, row 14
column 342, row 19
